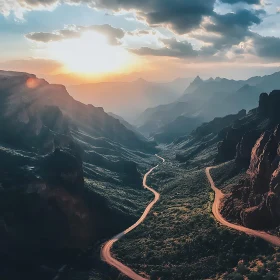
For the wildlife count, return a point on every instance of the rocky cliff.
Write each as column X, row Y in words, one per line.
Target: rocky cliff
column 239, row 139
column 255, row 201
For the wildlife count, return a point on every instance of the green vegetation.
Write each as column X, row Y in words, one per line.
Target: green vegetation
column 180, row 239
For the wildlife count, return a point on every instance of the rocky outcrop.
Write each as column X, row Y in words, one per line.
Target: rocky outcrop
column 227, row 147
column 244, row 147
column 256, row 201
column 239, row 140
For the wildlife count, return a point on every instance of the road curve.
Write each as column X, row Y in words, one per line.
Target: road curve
column 106, row 249
column 215, row 209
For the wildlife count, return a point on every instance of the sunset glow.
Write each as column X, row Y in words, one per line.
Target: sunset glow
column 91, row 54
column 32, row 83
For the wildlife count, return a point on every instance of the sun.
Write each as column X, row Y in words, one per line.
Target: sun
column 91, row 54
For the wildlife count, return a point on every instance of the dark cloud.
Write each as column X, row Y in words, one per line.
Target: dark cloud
column 113, row 34
column 250, row 2
column 267, row 47
column 172, row 48
column 228, row 29
column 180, row 15
column 221, row 33
column 46, row 37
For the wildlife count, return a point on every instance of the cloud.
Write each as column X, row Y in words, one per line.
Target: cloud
column 250, row 2
column 141, row 32
column 114, row 35
column 217, row 33
column 180, row 15
column 267, row 47
column 18, row 7
column 172, row 48
column 226, row 30
column 46, row 37
column 222, row 35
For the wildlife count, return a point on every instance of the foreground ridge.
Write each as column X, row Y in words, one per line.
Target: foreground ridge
column 106, row 249
column 274, row 240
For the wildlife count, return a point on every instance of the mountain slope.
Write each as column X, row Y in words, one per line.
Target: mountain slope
column 182, row 239
column 70, row 175
column 254, row 200
column 128, row 99
column 205, row 100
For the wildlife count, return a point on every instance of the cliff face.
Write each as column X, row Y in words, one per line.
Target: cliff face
column 255, row 202
column 239, row 140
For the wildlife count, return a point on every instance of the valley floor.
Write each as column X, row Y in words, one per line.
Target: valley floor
column 181, row 239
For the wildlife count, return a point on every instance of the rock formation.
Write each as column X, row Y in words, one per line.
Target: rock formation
column 255, row 202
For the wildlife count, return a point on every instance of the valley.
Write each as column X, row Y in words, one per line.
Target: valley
column 78, row 171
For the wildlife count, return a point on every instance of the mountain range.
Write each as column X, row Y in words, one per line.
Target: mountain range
column 202, row 101
column 128, row 99
column 71, row 178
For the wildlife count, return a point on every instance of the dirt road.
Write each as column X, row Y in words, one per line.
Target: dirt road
column 106, row 249
column 215, row 209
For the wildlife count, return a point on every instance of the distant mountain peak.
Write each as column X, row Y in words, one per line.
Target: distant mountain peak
column 140, row 81
column 197, row 80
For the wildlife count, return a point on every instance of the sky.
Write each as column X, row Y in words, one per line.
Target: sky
column 75, row 41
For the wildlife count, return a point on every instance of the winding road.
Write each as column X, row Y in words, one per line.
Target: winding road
column 106, row 249
column 215, row 209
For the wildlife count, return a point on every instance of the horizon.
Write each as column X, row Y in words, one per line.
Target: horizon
column 99, row 41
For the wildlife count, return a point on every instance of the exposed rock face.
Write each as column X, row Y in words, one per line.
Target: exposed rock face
column 258, row 197
column 269, row 105
column 255, row 202
column 264, row 104
column 239, row 140
column 227, row 147
column 243, row 148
